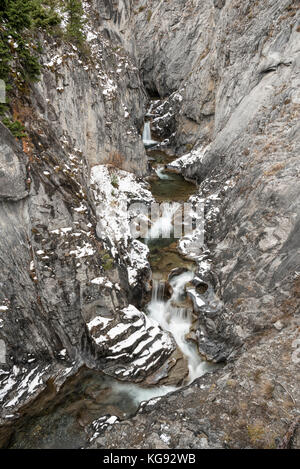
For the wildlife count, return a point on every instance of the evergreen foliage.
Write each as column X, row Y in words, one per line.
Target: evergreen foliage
column 19, row 65
column 75, row 21
column 16, row 127
column 19, row 19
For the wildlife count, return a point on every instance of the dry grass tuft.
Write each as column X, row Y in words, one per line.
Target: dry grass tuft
column 268, row 389
column 256, row 433
column 277, row 167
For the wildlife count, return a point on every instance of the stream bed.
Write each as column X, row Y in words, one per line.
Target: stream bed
column 59, row 421
column 170, row 270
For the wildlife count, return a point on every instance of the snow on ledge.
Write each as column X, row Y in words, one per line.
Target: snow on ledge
column 116, row 193
column 189, row 158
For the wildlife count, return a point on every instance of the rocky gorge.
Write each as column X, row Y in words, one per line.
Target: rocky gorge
column 81, row 343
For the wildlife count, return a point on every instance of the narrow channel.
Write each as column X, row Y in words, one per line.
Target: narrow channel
column 170, row 271
column 59, row 420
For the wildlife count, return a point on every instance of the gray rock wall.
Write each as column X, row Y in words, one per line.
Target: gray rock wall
column 235, row 68
column 85, row 111
column 228, row 76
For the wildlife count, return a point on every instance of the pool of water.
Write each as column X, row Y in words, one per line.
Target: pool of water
column 164, row 257
column 59, row 421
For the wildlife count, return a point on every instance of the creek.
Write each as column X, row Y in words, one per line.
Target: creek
column 169, row 269
column 58, row 420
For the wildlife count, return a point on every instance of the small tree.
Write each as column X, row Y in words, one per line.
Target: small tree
column 75, row 21
column 19, row 64
column 17, row 13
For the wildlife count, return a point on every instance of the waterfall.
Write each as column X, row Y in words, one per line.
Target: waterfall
column 158, row 290
column 163, row 225
column 147, row 140
column 176, row 317
column 147, row 132
column 149, row 113
column 160, row 173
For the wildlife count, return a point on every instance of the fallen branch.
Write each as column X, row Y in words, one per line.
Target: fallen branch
column 287, row 440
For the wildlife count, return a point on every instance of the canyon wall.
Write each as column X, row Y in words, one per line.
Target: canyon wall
column 70, row 274
column 226, row 74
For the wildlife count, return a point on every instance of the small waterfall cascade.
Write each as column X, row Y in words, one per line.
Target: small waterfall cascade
column 147, row 140
column 158, row 291
column 149, row 113
column 162, row 226
column 175, row 316
column 160, row 173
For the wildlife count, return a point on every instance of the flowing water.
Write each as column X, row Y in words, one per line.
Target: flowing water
column 57, row 420
column 175, row 314
column 147, row 140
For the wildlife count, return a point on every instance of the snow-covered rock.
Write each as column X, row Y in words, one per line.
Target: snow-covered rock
column 132, row 344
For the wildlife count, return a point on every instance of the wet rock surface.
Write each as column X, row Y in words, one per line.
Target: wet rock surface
column 250, row 404
column 225, row 76
column 237, row 126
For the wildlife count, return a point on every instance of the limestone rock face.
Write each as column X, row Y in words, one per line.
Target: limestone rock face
column 236, row 69
column 83, row 113
column 132, row 338
column 200, row 50
column 99, row 104
column 225, row 76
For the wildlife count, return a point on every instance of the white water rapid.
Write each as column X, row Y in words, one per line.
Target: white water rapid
column 176, row 317
column 147, row 140
column 163, row 224
column 160, row 173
